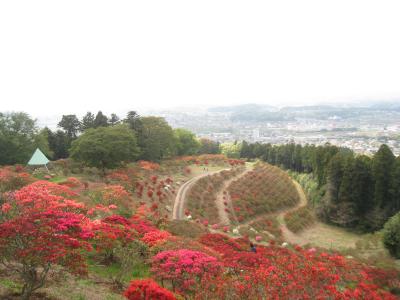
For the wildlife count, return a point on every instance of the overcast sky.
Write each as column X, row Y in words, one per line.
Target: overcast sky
column 73, row 56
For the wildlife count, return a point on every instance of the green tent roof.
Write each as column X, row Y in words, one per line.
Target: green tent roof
column 38, row 158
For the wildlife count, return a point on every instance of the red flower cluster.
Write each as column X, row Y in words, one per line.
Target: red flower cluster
column 115, row 194
column 111, row 232
column 153, row 238
column 184, row 268
column 147, row 289
column 147, row 165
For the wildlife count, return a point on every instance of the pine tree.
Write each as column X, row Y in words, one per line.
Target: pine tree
column 100, row 120
column 382, row 168
column 87, row 121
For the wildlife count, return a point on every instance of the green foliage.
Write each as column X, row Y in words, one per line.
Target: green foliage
column 19, row 137
column 391, row 235
column 100, row 120
column 310, row 186
column 382, row 168
column 209, row 147
column 71, row 125
column 156, row 139
column 59, row 143
column 299, row 219
column 231, row 150
column 105, row 147
column 187, row 144
column 133, row 121
column 87, row 121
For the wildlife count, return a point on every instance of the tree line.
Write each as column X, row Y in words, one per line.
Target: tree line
column 148, row 138
column 360, row 191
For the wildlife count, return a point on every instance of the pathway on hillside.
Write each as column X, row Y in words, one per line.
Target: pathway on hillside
column 223, row 215
column 179, row 204
column 286, row 233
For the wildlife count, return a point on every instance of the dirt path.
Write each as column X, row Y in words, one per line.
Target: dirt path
column 179, row 203
column 223, row 215
column 286, row 233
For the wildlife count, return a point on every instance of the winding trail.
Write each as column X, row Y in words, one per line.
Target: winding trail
column 286, row 233
column 223, row 215
column 180, row 199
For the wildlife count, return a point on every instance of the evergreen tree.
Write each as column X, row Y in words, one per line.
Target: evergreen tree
column 71, row 125
column 382, row 168
column 134, row 122
column 395, row 186
column 87, row 121
column 100, row 120
column 114, row 120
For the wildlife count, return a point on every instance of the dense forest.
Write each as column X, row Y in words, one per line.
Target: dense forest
column 360, row 192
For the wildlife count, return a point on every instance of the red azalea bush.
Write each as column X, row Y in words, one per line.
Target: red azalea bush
column 147, row 289
column 184, row 268
column 12, row 180
column 40, row 228
column 110, row 233
column 113, row 194
column 148, row 165
column 72, row 182
column 155, row 237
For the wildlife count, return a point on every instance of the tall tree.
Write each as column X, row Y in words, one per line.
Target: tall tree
column 59, row 143
column 187, row 144
column 100, row 120
column 156, row 139
column 87, row 121
column 114, row 120
column 71, row 125
column 208, row 146
column 105, row 147
column 382, row 168
column 134, row 121
column 395, row 186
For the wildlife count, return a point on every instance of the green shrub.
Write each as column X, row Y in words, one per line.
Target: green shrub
column 299, row 219
column 391, row 235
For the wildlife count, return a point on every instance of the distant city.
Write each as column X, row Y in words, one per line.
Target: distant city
column 362, row 129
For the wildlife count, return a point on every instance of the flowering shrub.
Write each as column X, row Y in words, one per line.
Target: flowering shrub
column 299, row 219
column 115, row 194
column 72, row 182
column 153, row 238
column 148, row 165
column 147, row 289
column 41, row 228
column 12, row 180
column 110, row 233
column 184, row 268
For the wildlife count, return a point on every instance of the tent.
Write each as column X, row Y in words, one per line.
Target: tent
column 38, row 159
